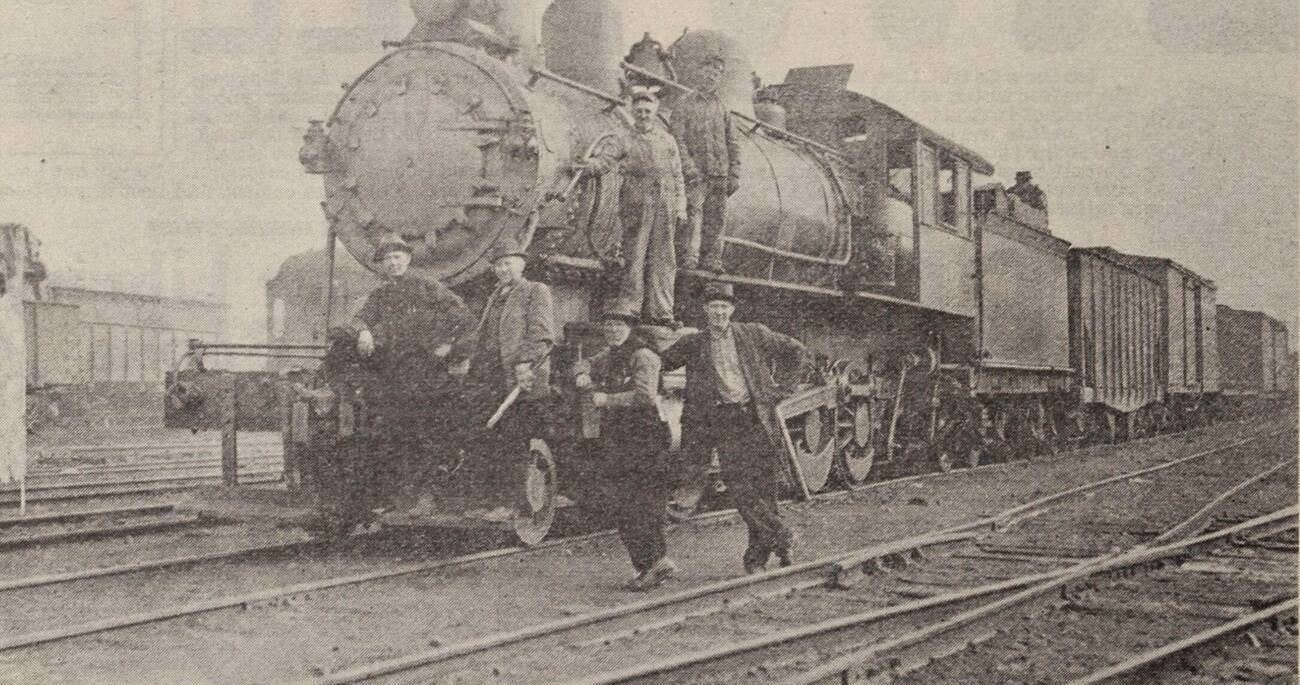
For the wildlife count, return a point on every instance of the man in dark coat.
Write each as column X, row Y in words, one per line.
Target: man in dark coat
column 406, row 328
column 633, row 437
column 731, row 398
column 701, row 124
column 511, row 349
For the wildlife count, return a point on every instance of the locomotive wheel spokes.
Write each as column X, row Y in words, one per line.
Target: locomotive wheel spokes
column 535, row 494
column 814, row 442
column 857, row 444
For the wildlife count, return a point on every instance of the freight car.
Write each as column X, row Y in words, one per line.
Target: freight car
column 1255, row 369
column 948, row 334
column 1188, row 354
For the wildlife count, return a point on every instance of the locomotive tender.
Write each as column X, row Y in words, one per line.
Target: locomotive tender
column 952, row 325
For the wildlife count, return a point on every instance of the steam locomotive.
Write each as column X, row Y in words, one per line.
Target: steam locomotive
column 952, row 327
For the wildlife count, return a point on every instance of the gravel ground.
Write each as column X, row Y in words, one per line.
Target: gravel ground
column 1105, row 621
column 335, row 629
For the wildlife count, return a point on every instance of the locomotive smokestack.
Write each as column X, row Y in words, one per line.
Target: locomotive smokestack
column 583, row 41
column 503, row 27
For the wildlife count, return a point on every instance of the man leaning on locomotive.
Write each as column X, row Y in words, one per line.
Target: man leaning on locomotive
column 406, row 328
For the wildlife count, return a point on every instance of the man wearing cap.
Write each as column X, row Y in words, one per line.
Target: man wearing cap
column 1028, row 191
column 513, row 344
column 633, row 436
column 701, row 124
column 652, row 202
column 731, row 397
column 407, row 327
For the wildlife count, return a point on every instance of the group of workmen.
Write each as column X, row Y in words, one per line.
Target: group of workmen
column 675, row 185
column 427, row 347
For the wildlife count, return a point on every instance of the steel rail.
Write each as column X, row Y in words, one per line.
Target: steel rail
column 1165, row 651
column 115, row 623
column 420, row 659
column 155, row 564
column 1034, row 584
column 83, row 514
column 847, row 563
column 244, row 600
column 1198, row 522
column 144, row 474
column 102, row 532
column 124, row 569
column 245, row 453
column 129, row 481
column 841, row 665
column 410, row 661
column 64, row 493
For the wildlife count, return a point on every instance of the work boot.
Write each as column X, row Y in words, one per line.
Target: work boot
column 663, row 569
column 785, row 555
column 754, row 562
column 425, row 506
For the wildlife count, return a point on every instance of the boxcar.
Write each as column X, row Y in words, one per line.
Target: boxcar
column 1114, row 339
column 1189, row 350
column 1253, row 353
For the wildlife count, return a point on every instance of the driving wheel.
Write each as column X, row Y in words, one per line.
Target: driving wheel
column 858, row 431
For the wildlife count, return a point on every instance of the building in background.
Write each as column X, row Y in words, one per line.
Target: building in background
column 296, row 295
column 84, row 335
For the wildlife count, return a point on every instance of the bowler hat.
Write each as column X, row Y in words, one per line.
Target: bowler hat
column 616, row 312
column 391, row 242
column 719, row 291
column 507, row 247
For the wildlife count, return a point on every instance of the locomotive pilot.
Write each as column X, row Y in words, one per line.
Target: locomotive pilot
column 731, row 396
column 407, row 328
column 511, row 349
column 701, row 124
column 652, row 202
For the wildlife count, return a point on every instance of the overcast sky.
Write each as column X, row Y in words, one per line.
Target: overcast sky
column 139, row 132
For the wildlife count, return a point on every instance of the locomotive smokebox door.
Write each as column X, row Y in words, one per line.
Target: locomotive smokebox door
column 450, row 126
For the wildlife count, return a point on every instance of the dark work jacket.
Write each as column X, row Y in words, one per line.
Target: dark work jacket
column 757, row 348
column 633, row 434
column 702, row 126
column 410, row 317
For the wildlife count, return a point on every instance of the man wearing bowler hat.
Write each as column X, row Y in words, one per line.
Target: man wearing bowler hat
column 513, row 344
column 731, row 397
column 407, row 328
column 633, row 436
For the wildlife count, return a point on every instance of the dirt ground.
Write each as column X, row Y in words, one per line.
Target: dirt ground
column 310, row 635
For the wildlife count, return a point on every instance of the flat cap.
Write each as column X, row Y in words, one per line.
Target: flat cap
column 719, row 291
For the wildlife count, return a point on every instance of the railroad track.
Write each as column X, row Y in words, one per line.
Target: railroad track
column 151, row 485
column 805, row 576
column 786, row 612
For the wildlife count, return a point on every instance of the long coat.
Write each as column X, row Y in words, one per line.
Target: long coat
column 525, row 332
column 757, row 347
